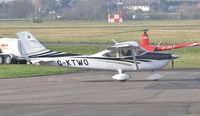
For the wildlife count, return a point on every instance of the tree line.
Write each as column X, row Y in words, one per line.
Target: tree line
column 96, row 9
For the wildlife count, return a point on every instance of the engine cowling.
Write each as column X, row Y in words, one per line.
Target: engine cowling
column 121, row 77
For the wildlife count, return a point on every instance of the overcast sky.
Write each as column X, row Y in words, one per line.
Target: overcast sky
column 5, row 0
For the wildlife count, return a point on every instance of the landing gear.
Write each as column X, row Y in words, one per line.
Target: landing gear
column 121, row 76
column 154, row 77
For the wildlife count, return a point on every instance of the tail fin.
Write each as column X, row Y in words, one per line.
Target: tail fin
column 30, row 44
column 145, row 39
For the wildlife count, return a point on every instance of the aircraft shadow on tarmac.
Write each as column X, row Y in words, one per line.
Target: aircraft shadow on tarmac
column 161, row 84
column 161, row 80
column 103, row 81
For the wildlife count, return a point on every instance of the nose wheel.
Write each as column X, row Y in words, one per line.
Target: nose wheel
column 154, row 76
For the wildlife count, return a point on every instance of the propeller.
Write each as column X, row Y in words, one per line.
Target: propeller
column 172, row 63
column 172, row 59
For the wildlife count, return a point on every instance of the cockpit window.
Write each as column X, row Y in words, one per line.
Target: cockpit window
column 112, row 53
column 123, row 52
column 126, row 52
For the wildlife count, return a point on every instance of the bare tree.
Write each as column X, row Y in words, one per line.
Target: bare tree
column 47, row 4
column 17, row 9
column 87, row 9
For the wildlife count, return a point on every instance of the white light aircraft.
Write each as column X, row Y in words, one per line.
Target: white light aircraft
column 126, row 56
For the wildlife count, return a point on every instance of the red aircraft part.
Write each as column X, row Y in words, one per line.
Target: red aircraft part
column 146, row 44
column 162, row 48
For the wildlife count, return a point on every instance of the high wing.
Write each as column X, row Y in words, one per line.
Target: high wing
column 126, row 44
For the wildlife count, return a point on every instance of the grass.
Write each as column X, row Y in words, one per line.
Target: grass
column 12, row 71
column 167, row 31
column 188, row 57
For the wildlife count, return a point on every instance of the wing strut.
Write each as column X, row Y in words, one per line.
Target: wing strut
column 135, row 58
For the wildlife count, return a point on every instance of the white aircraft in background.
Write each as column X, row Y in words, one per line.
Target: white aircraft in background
column 126, row 56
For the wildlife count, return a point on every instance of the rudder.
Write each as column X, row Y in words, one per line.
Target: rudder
column 30, row 44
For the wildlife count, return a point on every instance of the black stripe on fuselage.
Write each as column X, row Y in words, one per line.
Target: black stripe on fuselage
column 36, row 55
column 53, row 54
column 147, row 57
column 127, row 59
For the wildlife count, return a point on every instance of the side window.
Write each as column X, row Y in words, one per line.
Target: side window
column 111, row 54
column 126, row 52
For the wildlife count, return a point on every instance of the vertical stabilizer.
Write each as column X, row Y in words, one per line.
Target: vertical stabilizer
column 30, row 44
column 145, row 39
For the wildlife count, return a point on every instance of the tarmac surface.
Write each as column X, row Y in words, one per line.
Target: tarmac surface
column 94, row 93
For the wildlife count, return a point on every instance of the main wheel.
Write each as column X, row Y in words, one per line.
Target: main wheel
column 7, row 60
column 1, row 60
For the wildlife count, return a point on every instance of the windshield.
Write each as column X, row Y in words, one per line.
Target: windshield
column 139, row 51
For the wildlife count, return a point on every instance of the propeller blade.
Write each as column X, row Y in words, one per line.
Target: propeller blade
column 172, row 64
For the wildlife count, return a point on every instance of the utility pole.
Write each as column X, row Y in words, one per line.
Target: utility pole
column 37, row 18
column 108, row 7
column 119, row 4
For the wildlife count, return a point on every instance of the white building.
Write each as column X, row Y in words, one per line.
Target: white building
column 135, row 8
